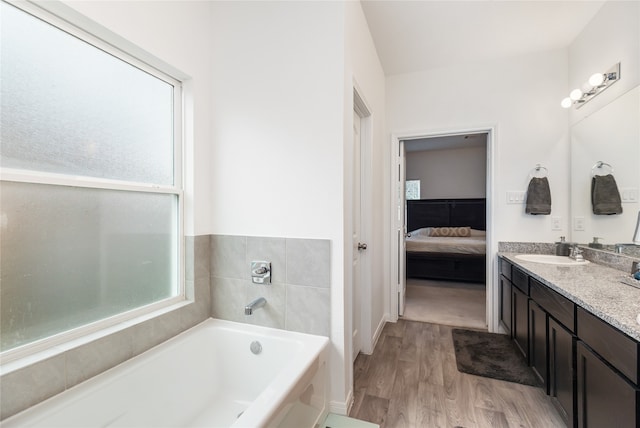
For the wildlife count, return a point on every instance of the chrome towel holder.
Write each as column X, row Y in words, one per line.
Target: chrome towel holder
column 595, row 169
column 539, row 169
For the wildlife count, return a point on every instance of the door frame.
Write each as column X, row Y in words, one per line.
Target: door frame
column 360, row 106
column 492, row 306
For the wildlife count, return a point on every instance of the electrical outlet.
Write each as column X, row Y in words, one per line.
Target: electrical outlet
column 556, row 223
column 629, row 194
column 515, row 197
column 578, row 223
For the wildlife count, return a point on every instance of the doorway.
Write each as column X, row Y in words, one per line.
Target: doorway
column 442, row 174
column 444, row 168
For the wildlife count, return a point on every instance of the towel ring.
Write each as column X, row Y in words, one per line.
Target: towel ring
column 539, row 169
column 598, row 166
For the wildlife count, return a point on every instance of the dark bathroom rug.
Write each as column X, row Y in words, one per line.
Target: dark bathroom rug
column 491, row 355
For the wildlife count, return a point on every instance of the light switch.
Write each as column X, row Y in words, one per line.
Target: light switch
column 515, row 197
column 556, row 223
column 578, row 223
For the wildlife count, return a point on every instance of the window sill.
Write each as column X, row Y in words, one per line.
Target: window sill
column 78, row 342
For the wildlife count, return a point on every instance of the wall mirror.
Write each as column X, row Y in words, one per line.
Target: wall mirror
column 610, row 135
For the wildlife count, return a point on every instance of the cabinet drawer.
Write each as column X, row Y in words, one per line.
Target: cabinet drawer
column 558, row 306
column 505, row 268
column 617, row 348
column 520, row 280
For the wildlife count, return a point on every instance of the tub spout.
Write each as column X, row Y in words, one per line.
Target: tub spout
column 255, row 304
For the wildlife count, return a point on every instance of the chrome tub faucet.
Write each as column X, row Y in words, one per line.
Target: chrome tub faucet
column 254, row 304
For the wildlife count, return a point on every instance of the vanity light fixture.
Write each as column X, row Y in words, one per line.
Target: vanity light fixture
column 597, row 83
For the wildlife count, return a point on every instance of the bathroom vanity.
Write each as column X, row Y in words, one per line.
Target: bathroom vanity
column 576, row 327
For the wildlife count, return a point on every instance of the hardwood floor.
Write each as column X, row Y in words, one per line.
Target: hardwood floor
column 411, row 380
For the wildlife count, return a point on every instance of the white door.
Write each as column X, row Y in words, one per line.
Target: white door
column 358, row 246
column 401, row 228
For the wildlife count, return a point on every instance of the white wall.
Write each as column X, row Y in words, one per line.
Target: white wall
column 519, row 96
column 613, row 35
column 449, row 173
column 159, row 28
column 276, row 165
column 277, row 162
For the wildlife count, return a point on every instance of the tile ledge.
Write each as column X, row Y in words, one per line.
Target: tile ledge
column 20, row 362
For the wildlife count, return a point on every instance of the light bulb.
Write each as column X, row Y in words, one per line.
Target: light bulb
column 587, row 87
column 575, row 94
column 566, row 103
column 596, row 79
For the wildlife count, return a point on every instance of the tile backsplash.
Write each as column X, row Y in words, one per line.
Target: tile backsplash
column 299, row 296
column 620, row 262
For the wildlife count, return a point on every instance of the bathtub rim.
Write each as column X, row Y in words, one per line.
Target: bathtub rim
column 265, row 406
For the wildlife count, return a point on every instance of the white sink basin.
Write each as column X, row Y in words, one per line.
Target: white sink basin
column 551, row 260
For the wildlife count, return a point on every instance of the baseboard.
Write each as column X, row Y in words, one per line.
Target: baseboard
column 377, row 333
column 342, row 408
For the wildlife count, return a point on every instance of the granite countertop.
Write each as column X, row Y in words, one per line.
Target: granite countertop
column 594, row 287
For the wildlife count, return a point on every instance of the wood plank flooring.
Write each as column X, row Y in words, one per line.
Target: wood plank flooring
column 411, row 381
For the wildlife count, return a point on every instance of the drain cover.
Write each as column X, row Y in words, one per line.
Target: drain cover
column 256, row 347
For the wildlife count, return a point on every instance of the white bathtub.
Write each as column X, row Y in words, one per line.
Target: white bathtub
column 204, row 377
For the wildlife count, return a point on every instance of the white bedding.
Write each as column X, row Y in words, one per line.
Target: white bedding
column 420, row 241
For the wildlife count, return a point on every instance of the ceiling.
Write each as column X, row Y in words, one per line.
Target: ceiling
column 412, row 36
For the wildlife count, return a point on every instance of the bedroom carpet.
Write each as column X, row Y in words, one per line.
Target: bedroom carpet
column 491, row 355
column 456, row 304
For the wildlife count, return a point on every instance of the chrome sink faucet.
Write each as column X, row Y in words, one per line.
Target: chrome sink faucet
column 576, row 253
column 254, row 304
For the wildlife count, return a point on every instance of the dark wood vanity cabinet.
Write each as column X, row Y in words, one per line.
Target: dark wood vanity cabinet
column 590, row 369
column 551, row 345
column 538, row 346
column 561, row 381
column 504, row 310
column 520, row 311
column 607, row 374
column 604, row 397
column 505, row 304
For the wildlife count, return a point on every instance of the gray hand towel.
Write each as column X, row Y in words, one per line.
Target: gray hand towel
column 605, row 197
column 538, row 197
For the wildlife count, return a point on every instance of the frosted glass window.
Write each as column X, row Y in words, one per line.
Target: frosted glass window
column 68, row 107
column 72, row 256
column 78, row 247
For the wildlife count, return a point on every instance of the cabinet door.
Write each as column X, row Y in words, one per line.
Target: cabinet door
column 505, row 304
column 605, row 398
column 520, row 321
column 561, row 373
column 538, row 342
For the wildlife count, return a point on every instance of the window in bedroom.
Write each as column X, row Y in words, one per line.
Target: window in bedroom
column 91, row 192
column 413, row 189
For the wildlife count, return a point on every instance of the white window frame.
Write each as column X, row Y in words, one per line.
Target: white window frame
column 134, row 56
column 412, row 181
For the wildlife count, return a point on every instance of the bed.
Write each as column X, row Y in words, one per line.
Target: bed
column 448, row 258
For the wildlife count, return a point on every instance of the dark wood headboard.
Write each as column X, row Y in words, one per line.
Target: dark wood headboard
column 447, row 212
